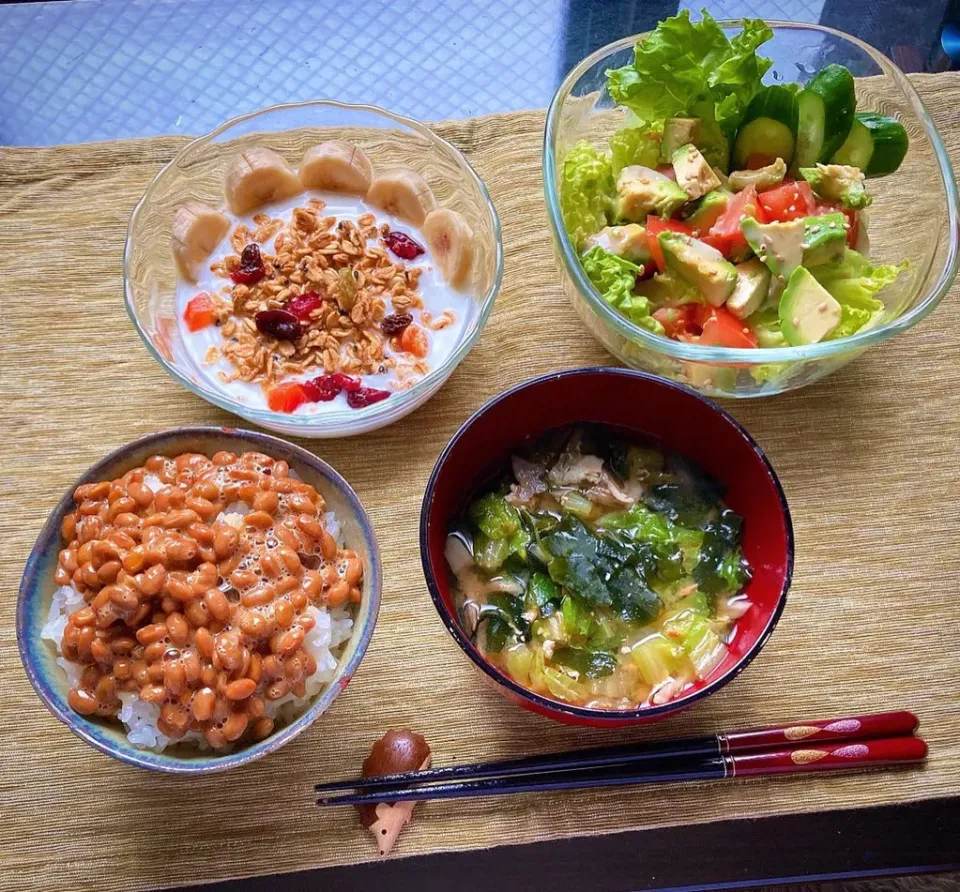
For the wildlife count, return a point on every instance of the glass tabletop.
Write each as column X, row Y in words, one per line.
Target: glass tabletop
column 111, row 69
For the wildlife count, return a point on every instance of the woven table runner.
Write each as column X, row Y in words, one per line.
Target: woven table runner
column 868, row 459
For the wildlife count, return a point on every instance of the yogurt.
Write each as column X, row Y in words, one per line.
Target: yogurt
column 196, row 349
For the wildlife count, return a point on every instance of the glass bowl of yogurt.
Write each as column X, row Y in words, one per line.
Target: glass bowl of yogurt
column 317, row 268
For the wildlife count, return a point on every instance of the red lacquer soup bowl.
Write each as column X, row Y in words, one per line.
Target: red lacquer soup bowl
column 649, row 408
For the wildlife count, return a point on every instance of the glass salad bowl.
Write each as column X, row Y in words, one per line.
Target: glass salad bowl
column 923, row 193
column 198, row 173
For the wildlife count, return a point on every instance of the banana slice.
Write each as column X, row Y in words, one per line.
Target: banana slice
column 337, row 165
column 197, row 230
column 450, row 239
column 257, row 176
column 402, row 193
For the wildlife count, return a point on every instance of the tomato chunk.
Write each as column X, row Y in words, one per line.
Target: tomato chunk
column 286, row 397
column 853, row 218
column 720, row 328
column 680, row 322
column 656, row 225
column 729, row 237
column 790, row 201
column 200, row 312
column 722, row 243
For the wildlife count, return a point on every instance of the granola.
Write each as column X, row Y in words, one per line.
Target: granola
column 358, row 283
column 308, row 306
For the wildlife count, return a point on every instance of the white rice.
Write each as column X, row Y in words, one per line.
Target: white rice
column 153, row 483
column 331, row 629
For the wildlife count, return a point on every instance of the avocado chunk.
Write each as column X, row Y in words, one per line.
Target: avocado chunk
column 642, row 191
column 694, row 175
column 629, row 242
column 678, row 132
column 708, row 209
column 763, row 177
column 838, row 182
column 778, row 245
column 753, row 281
column 824, row 238
column 699, row 265
column 808, row 312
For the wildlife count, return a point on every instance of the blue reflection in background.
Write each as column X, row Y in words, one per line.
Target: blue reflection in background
column 110, row 69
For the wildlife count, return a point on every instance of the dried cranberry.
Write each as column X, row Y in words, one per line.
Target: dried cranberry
column 394, row 324
column 321, row 389
column 365, row 396
column 325, row 387
column 403, row 246
column 346, row 382
column 278, row 324
column 304, row 304
column 251, row 266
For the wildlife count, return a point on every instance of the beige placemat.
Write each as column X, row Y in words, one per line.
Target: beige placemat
column 869, row 461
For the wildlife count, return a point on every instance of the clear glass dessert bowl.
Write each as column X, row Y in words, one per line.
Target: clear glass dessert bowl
column 914, row 216
column 197, row 173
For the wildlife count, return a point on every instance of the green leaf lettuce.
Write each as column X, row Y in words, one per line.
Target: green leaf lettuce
column 692, row 68
column 854, row 284
column 615, row 279
column 586, row 191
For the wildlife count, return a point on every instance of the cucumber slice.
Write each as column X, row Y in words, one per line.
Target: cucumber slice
column 775, row 102
column 834, row 85
column 810, row 129
column 857, row 148
column 769, row 126
column 890, row 143
column 763, row 136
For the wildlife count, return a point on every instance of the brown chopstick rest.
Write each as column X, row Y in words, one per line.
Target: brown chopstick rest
column 396, row 751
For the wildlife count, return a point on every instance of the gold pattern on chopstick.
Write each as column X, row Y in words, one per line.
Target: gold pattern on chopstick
column 805, row 757
column 800, row 732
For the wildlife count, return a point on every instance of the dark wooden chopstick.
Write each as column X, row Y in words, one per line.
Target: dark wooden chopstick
column 884, row 724
column 845, row 756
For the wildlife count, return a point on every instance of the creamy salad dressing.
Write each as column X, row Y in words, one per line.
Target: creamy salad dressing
column 193, row 347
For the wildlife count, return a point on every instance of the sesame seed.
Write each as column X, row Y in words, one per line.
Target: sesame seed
column 792, row 207
column 822, row 308
column 832, row 224
column 796, row 320
column 804, row 245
